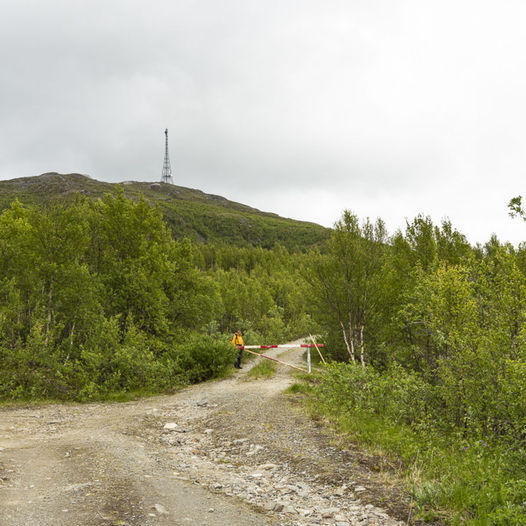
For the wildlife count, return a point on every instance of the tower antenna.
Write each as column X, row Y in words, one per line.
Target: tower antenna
column 167, row 170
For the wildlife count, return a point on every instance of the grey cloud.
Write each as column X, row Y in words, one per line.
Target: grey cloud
column 376, row 104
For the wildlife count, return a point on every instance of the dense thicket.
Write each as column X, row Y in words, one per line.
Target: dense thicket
column 96, row 297
column 441, row 328
column 261, row 291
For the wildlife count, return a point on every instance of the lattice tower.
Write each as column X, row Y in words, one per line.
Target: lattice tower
column 167, row 170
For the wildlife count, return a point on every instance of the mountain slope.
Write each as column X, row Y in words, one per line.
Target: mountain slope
column 191, row 213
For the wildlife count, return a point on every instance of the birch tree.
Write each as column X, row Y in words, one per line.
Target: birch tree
column 345, row 280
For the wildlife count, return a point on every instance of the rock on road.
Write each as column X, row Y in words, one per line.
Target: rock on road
column 230, row 452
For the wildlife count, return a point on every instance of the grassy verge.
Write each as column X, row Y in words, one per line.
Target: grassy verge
column 264, row 369
column 452, row 479
column 113, row 396
column 299, row 388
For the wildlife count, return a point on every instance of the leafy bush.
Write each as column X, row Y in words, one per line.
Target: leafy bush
column 478, row 479
column 202, row 358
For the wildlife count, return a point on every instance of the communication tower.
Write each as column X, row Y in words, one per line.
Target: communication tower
column 167, row 170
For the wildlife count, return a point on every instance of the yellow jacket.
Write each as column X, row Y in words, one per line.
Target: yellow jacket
column 238, row 340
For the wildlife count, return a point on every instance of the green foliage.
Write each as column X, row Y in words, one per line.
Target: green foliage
column 96, row 298
column 516, row 207
column 203, row 357
column 468, row 477
column 261, row 291
column 189, row 213
column 102, row 295
column 444, row 387
column 345, row 284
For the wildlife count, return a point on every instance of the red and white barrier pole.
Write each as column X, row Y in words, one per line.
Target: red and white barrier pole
column 275, row 360
column 285, row 346
column 308, row 346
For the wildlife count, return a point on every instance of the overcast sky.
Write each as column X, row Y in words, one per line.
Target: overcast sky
column 389, row 108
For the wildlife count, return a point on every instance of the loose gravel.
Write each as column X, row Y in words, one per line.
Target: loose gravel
column 233, row 452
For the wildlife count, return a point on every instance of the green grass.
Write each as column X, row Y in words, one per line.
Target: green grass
column 264, row 369
column 298, row 388
column 100, row 397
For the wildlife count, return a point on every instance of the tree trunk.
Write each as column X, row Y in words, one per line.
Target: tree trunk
column 351, row 334
column 350, row 348
column 49, row 310
column 362, row 347
column 70, row 343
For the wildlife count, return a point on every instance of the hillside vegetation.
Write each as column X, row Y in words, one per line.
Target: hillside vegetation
column 189, row 213
column 426, row 334
column 96, row 297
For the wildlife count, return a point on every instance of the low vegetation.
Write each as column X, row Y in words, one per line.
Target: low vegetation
column 189, row 213
column 455, row 475
column 263, row 369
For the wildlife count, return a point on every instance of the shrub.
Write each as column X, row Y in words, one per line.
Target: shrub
column 202, row 358
column 468, row 469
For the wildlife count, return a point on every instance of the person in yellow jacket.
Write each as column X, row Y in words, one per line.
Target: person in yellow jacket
column 237, row 340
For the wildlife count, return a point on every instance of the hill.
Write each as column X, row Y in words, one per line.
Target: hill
column 190, row 213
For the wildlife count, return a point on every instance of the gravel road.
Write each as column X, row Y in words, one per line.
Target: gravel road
column 235, row 452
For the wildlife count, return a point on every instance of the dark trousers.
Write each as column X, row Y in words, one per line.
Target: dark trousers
column 238, row 361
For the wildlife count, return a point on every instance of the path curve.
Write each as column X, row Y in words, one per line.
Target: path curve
column 235, row 452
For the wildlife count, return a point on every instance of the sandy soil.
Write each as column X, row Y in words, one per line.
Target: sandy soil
column 233, row 452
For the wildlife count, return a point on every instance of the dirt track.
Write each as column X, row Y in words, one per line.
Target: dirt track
column 232, row 452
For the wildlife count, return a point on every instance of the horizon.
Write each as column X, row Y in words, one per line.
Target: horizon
column 391, row 232
column 300, row 108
